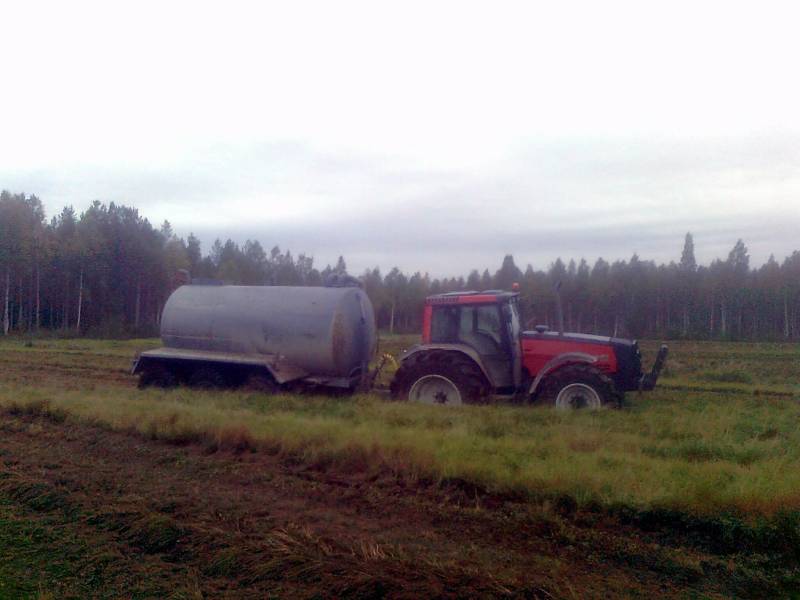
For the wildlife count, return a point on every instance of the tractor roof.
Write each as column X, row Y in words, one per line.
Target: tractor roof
column 471, row 297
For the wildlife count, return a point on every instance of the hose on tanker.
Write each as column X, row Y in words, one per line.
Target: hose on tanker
column 368, row 382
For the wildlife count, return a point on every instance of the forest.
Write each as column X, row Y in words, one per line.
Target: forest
column 107, row 272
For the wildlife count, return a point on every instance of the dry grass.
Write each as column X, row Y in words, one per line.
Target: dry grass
column 684, row 448
column 700, row 452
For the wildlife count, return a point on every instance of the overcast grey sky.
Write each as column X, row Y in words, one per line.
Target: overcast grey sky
column 436, row 136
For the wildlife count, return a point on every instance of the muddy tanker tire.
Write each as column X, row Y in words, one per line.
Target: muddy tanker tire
column 578, row 386
column 207, row 378
column 156, row 375
column 446, row 378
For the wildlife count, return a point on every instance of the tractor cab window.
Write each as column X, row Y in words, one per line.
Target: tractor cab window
column 444, row 324
column 480, row 319
column 478, row 326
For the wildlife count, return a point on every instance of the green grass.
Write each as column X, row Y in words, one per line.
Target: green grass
column 698, row 452
column 121, row 348
column 48, row 555
column 26, row 547
column 752, row 365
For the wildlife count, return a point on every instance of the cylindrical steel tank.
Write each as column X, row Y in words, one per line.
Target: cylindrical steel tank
column 324, row 330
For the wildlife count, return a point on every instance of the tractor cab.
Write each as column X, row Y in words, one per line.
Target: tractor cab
column 487, row 323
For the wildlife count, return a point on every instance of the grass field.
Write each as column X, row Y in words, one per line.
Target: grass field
column 691, row 489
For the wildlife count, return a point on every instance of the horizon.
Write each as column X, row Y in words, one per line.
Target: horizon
column 206, row 246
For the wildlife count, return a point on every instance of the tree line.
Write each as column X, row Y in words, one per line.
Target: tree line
column 108, row 272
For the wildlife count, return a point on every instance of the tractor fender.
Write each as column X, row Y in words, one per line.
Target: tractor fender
column 559, row 361
column 462, row 348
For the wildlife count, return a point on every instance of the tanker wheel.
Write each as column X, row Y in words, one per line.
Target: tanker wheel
column 157, row 375
column 261, row 383
column 207, row 378
column 578, row 386
column 440, row 378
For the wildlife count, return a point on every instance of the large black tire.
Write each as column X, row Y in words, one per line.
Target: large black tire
column 207, row 378
column 578, row 386
column 450, row 369
column 157, row 375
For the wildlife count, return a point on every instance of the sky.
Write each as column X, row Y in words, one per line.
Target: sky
column 433, row 136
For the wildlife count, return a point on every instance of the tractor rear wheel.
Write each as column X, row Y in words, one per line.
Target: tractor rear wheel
column 578, row 386
column 446, row 378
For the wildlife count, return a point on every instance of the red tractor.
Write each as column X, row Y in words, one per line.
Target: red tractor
column 473, row 348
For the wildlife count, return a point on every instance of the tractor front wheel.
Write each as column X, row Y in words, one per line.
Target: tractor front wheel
column 578, row 386
column 440, row 378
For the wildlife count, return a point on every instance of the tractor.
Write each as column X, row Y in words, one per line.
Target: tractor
column 473, row 349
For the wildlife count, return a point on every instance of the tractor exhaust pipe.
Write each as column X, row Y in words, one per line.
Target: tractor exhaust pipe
column 559, row 308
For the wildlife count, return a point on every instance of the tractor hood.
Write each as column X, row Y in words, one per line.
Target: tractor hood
column 629, row 359
column 583, row 338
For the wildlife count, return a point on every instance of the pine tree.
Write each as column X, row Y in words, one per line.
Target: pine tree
column 508, row 274
column 688, row 262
